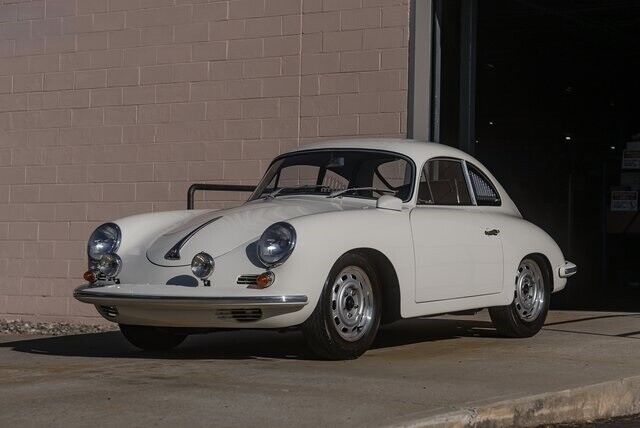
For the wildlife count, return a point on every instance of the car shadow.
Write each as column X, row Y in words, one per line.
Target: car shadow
column 250, row 344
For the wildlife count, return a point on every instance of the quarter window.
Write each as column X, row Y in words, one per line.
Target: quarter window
column 442, row 182
column 486, row 194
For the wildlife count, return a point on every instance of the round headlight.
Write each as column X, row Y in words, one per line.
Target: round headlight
column 110, row 265
column 276, row 244
column 202, row 265
column 104, row 240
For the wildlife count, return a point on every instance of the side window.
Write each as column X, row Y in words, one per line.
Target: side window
column 442, row 182
column 486, row 193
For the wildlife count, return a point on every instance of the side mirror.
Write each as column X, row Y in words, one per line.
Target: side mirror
column 388, row 202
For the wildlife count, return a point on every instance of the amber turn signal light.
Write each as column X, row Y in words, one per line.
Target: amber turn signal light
column 265, row 279
column 90, row 276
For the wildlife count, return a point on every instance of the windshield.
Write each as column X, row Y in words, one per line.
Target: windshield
column 354, row 173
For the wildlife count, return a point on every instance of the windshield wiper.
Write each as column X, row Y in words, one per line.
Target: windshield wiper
column 307, row 186
column 350, row 189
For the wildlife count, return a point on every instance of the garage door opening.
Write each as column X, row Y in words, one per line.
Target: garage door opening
column 547, row 95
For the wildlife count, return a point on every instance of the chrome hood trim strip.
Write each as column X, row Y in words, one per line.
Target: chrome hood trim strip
column 174, row 252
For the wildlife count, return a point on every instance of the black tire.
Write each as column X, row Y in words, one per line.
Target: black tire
column 321, row 328
column 151, row 338
column 508, row 320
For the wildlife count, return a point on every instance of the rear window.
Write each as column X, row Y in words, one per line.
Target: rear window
column 485, row 192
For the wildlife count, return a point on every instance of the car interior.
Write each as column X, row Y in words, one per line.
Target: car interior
column 442, row 182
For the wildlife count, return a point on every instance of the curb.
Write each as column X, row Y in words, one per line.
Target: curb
column 586, row 403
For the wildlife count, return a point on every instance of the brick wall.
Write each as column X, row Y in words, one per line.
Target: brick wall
column 113, row 107
column 354, row 68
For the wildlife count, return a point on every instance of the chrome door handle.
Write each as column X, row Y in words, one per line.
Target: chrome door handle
column 492, row 232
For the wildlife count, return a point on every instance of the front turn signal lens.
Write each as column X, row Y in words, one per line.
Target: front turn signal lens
column 265, row 279
column 90, row 276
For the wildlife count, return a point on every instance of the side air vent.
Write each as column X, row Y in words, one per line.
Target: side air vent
column 247, row 279
column 240, row 314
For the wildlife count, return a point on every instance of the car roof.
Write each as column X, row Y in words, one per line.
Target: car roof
column 417, row 150
column 420, row 152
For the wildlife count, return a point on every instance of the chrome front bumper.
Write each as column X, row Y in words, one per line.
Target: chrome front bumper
column 97, row 295
column 162, row 305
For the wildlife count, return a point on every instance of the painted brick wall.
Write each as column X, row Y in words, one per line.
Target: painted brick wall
column 113, row 107
column 354, row 68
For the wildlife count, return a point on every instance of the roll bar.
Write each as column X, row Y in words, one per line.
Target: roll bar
column 215, row 188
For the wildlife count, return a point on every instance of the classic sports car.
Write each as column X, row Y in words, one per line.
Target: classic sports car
column 336, row 239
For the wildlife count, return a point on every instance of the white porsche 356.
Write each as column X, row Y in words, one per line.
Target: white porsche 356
column 336, row 239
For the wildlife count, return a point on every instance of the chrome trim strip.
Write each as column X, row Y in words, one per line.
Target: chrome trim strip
column 249, row 279
column 80, row 293
column 467, row 177
column 118, row 241
column 174, row 252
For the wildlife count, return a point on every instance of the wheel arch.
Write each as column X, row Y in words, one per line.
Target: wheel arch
column 390, row 285
column 546, row 265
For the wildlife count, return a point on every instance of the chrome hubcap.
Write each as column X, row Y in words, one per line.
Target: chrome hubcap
column 529, row 295
column 352, row 303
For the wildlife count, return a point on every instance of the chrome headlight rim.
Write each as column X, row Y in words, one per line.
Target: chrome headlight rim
column 286, row 254
column 109, row 265
column 203, row 259
column 115, row 246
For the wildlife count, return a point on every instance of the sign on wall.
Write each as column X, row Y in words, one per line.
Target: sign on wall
column 624, row 200
column 631, row 159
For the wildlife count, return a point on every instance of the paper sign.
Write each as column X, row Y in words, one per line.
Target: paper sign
column 631, row 159
column 624, row 200
column 633, row 145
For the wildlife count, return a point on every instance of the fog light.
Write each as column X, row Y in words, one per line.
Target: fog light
column 90, row 276
column 110, row 265
column 265, row 279
column 202, row 265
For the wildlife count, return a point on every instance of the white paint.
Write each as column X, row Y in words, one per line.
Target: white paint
column 388, row 202
column 443, row 259
column 453, row 256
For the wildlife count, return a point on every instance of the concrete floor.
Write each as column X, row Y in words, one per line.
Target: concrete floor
column 624, row 422
column 264, row 378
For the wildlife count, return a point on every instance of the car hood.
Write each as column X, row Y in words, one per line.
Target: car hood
column 220, row 231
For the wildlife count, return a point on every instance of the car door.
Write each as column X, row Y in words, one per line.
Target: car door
column 457, row 249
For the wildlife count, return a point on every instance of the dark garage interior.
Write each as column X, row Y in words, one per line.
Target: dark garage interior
column 547, row 95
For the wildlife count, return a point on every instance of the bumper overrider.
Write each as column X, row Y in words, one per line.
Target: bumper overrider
column 161, row 305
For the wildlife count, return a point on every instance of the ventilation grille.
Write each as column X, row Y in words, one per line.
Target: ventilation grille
column 247, row 279
column 240, row 314
column 108, row 311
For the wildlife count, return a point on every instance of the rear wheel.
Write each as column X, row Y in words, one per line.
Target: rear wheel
column 528, row 312
column 347, row 316
column 151, row 338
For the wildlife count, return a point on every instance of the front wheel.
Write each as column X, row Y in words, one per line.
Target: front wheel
column 151, row 338
column 526, row 315
column 347, row 316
